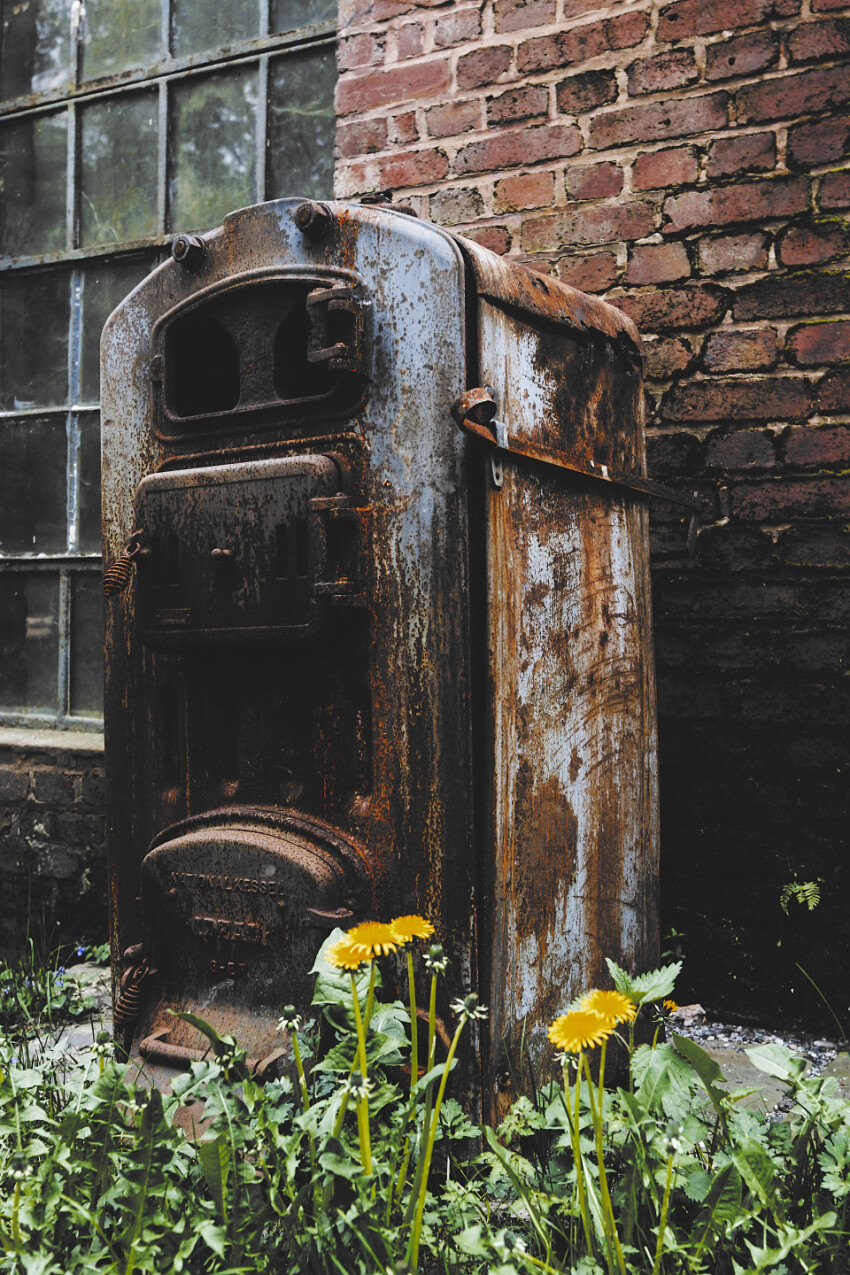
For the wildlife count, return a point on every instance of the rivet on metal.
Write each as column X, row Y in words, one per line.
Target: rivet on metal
column 313, row 220
column 188, row 251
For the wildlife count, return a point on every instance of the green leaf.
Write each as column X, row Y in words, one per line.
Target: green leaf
column 662, row 1079
column 213, row 1235
column 341, row 1166
column 776, row 1060
column 333, row 986
column 722, row 1204
column 697, row 1185
column 655, row 984
column 758, row 1171
column 706, row 1068
column 215, row 1163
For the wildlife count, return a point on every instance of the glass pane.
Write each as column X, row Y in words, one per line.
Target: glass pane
column 213, row 148
column 287, row 14
column 302, row 124
column 35, row 55
column 29, row 640
column 33, row 160
column 86, row 645
column 88, row 491
column 34, row 313
column 32, row 486
column 197, row 24
column 104, row 286
column 121, row 35
column 118, row 176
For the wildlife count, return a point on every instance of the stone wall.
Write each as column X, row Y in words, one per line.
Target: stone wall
column 688, row 161
column 52, row 832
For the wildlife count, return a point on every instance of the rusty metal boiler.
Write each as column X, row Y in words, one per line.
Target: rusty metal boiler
column 378, row 626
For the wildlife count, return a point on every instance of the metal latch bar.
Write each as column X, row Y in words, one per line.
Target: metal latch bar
column 483, row 424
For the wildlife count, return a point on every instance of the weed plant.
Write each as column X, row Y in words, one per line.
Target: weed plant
column 354, row 1166
column 35, row 993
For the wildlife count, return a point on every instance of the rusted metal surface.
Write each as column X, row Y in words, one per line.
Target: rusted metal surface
column 348, row 664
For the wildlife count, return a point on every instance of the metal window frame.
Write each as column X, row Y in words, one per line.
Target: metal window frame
column 168, row 70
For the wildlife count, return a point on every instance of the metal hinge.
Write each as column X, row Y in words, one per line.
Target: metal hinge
column 340, row 356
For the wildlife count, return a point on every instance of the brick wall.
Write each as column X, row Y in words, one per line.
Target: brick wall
column 688, row 161
column 52, row 831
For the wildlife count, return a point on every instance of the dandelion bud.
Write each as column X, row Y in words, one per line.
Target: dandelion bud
column 436, row 960
column 290, row 1020
column 469, row 1007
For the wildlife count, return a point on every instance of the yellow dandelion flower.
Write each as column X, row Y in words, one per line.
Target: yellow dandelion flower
column 408, row 928
column 670, row 1006
column 372, row 938
column 345, row 955
column 579, row 1030
column 613, row 1007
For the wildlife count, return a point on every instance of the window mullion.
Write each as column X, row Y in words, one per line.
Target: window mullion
column 162, row 169
column 63, row 644
column 262, row 127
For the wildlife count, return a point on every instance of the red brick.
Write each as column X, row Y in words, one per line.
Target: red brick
column 656, row 169
column 668, row 70
column 496, row 238
column 665, row 356
column 354, row 13
column 483, row 66
column 595, row 273
column 521, row 15
column 817, row 445
column 806, row 293
column 751, row 350
column 826, row 6
column 581, row 93
column 520, row 146
column 834, row 392
column 743, row 56
column 742, row 449
column 748, row 152
column 835, row 190
column 398, row 84
column 819, row 41
column 818, row 143
column 722, row 253
column 360, row 50
column 456, row 27
column 578, row 44
column 787, row 498
column 605, row 223
column 704, row 17
column 409, row 41
column 595, row 181
column 802, row 93
column 523, row 103
column 404, row 129
column 810, row 245
column 658, row 263
column 576, row 8
column 363, row 137
column 454, row 118
column 815, row 343
column 691, row 306
column 456, row 204
column 413, row 168
column 656, row 121
column 757, row 398
column 753, row 201
column 525, row 190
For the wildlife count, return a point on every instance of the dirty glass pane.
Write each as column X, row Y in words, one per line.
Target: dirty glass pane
column 120, row 35
column 32, row 486
column 88, row 489
column 213, row 149
column 104, row 285
column 287, row 14
column 86, row 645
column 302, row 124
column 118, row 174
column 35, row 54
column 29, row 640
column 34, row 314
column 32, row 185
column 197, row 25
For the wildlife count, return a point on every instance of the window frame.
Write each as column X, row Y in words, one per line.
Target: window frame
column 168, row 71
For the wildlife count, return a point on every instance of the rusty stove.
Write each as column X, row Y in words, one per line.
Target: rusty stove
column 378, row 632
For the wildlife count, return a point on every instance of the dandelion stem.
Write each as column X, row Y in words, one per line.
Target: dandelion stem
column 414, row 1042
column 662, row 1221
column 413, row 1250
column 577, row 1157
column 610, row 1226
